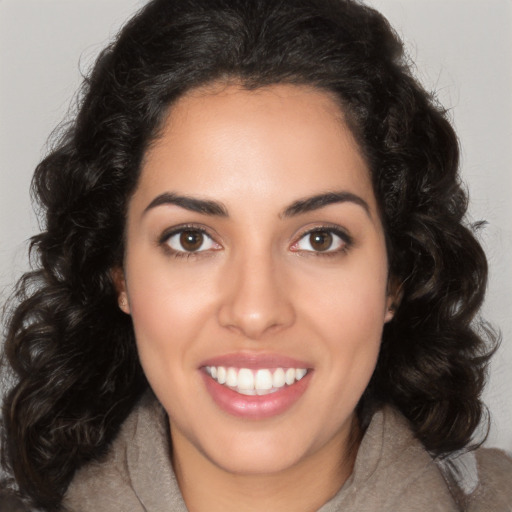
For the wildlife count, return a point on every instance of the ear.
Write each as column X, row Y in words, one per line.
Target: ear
column 118, row 278
column 394, row 297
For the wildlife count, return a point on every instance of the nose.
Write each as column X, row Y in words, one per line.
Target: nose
column 255, row 301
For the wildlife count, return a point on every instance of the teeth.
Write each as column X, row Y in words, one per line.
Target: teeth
column 245, row 380
column 221, row 374
column 289, row 377
column 255, row 382
column 299, row 373
column 278, row 379
column 263, row 380
column 232, row 378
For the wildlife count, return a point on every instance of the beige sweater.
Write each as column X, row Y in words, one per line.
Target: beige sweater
column 392, row 473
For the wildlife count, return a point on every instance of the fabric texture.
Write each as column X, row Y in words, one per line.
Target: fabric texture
column 392, row 473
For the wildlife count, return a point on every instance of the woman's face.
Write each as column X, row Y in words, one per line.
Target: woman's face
column 256, row 276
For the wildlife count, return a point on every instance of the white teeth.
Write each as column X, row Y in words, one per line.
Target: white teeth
column 255, row 382
column 221, row 375
column 299, row 373
column 263, row 380
column 278, row 379
column 232, row 378
column 250, row 392
column 289, row 377
column 245, row 380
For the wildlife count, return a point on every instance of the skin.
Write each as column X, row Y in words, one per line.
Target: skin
column 258, row 287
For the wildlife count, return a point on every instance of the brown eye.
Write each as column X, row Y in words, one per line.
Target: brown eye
column 320, row 240
column 191, row 240
column 323, row 240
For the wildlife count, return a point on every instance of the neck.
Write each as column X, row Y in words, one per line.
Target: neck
column 304, row 487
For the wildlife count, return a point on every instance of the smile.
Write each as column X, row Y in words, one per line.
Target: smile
column 252, row 382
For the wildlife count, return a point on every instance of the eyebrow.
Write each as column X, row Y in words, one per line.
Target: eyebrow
column 193, row 204
column 316, row 202
column 301, row 206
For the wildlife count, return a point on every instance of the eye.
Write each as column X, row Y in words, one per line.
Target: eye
column 190, row 240
column 322, row 240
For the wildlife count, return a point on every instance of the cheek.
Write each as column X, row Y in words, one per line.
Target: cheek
column 351, row 326
column 352, row 299
column 167, row 317
column 165, row 311
column 348, row 311
column 173, row 312
column 351, row 323
column 163, row 294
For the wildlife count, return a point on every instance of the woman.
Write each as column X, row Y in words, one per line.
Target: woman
column 255, row 286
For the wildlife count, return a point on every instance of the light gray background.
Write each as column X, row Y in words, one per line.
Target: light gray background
column 462, row 49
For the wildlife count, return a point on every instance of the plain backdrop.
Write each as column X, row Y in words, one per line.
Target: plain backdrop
column 462, row 49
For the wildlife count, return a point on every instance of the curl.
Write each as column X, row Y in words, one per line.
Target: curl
column 72, row 351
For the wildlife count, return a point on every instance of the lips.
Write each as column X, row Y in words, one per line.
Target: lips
column 255, row 386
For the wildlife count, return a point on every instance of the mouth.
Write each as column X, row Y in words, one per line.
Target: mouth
column 255, row 386
column 252, row 382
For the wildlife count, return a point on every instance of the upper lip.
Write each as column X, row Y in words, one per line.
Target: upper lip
column 255, row 360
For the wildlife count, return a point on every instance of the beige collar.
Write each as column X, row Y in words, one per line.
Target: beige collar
column 392, row 472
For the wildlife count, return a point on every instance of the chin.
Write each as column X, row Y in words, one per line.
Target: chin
column 253, row 462
column 261, row 452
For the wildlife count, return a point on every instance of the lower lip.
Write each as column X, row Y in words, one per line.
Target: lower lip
column 259, row 406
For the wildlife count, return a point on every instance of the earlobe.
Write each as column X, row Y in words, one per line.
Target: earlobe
column 390, row 310
column 395, row 293
column 120, row 285
column 123, row 303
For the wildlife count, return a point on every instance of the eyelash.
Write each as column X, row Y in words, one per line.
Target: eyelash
column 168, row 234
column 344, row 238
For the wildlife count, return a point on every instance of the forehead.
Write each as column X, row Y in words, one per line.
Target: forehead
column 277, row 142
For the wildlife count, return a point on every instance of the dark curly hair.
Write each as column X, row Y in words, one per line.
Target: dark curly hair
column 71, row 350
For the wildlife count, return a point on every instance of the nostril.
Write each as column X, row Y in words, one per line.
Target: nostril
column 256, row 319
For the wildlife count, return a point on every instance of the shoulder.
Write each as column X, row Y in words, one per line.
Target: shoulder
column 110, row 483
column 480, row 480
column 102, row 484
column 393, row 472
column 494, row 491
column 494, row 465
